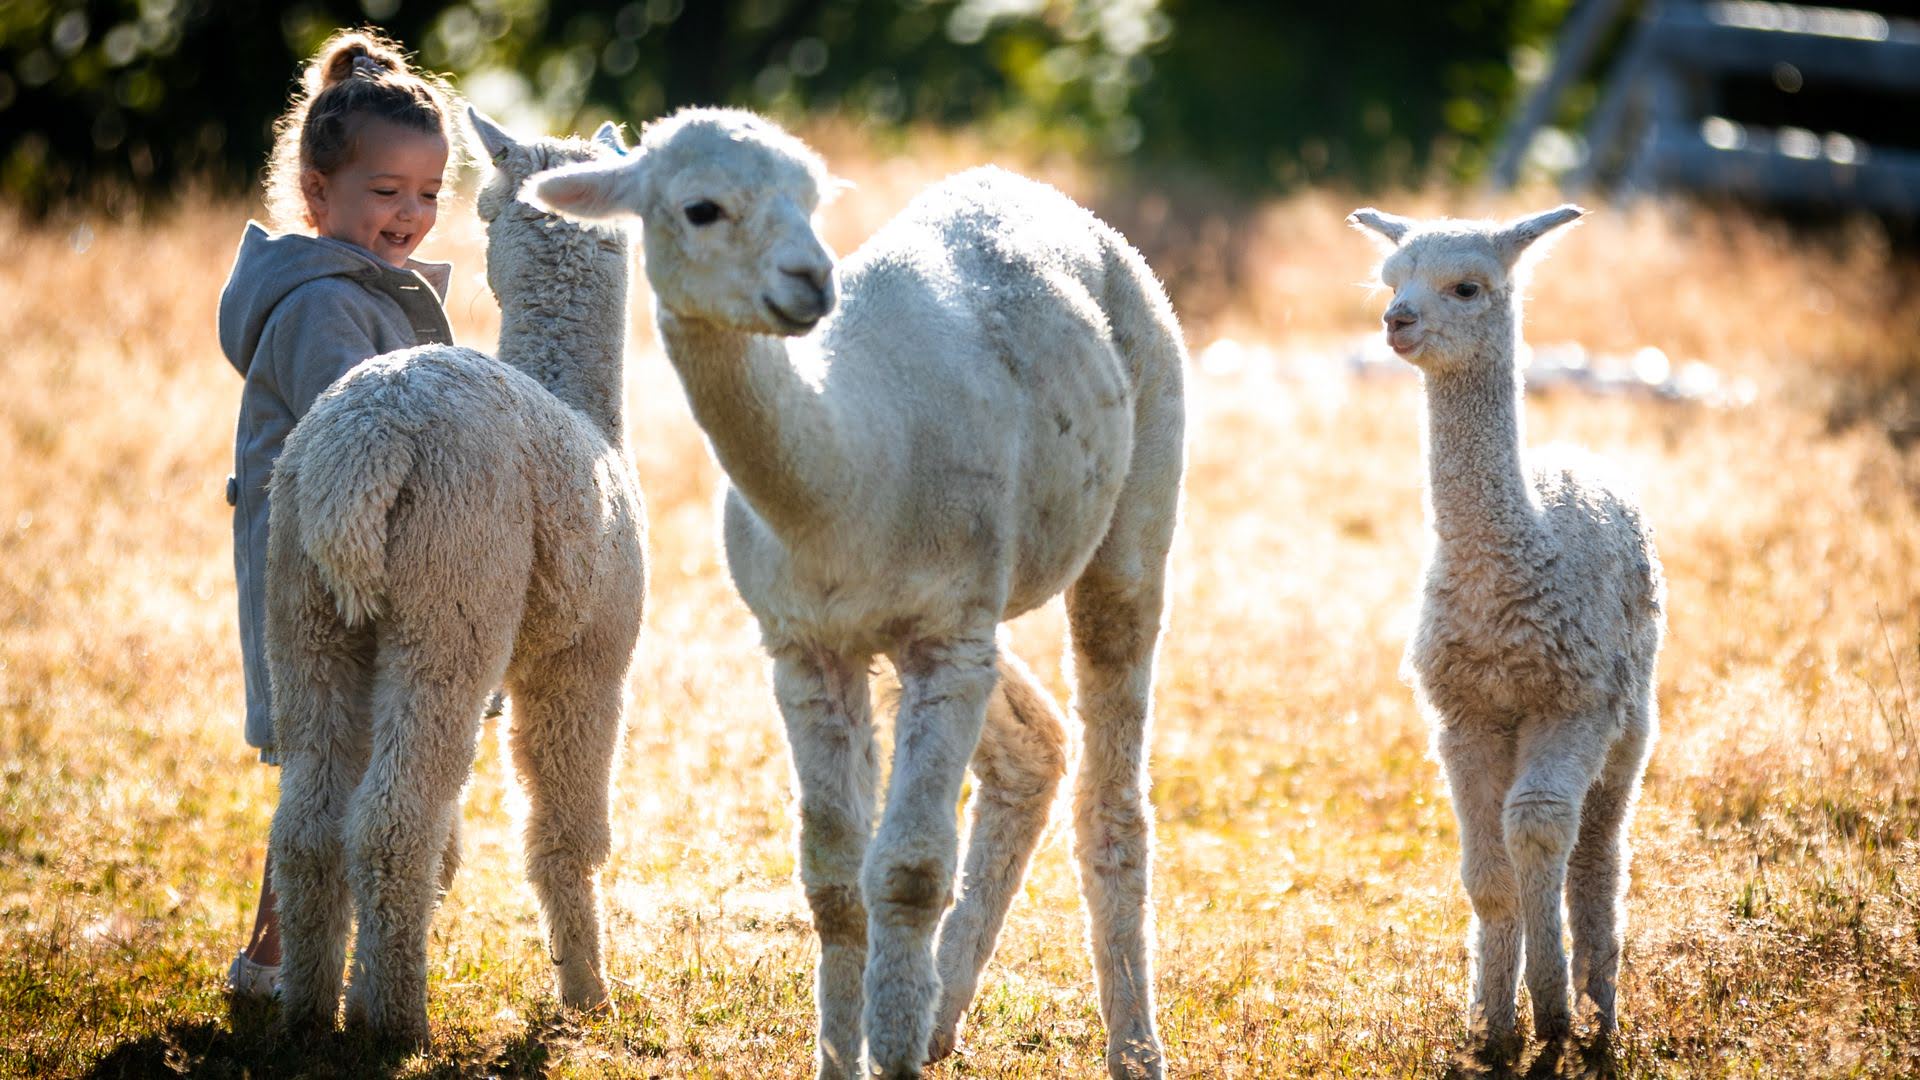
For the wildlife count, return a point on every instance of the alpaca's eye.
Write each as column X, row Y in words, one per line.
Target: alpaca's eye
column 1466, row 290
column 704, row 212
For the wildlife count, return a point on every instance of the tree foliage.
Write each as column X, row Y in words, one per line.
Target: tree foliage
column 139, row 95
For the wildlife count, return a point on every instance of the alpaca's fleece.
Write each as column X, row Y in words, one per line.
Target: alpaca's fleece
column 1538, row 631
column 442, row 522
column 986, row 413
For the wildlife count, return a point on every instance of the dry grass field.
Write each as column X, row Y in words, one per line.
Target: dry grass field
column 1310, row 920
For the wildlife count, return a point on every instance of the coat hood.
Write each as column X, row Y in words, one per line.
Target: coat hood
column 268, row 267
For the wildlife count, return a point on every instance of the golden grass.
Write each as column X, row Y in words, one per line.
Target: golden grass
column 1310, row 922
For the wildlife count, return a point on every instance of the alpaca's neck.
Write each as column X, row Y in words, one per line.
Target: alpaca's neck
column 773, row 430
column 1477, row 486
column 570, row 335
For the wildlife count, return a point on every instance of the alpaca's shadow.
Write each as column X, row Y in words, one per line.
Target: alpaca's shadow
column 250, row 1046
column 244, row 1046
column 1569, row 1060
column 528, row 1054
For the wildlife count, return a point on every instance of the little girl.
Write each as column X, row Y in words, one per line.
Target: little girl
column 359, row 160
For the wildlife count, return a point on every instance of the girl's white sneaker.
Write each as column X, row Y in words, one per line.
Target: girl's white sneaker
column 251, row 979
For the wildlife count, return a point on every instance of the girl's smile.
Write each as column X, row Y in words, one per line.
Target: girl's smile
column 387, row 198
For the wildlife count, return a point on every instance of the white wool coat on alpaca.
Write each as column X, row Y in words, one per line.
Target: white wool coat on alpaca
column 1575, row 605
column 442, row 520
column 1005, row 378
column 1538, row 633
column 993, row 416
column 969, row 313
column 297, row 313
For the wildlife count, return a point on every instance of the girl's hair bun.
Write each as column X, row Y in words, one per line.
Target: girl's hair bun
column 360, row 53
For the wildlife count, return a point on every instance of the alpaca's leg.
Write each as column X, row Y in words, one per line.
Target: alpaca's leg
column 1115, row 623
column 1114, row 613
column 1017, row 770
column 1478, row 762
column 1556, row 764
column 321, row 677
column 824, row 701
column 309, row 876
column 566, row 729
column 1597, row 871
column 450, row 855
column 908, row 877
column 426, row 720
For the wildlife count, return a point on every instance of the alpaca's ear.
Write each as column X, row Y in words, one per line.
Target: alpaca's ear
column 1387, row 226
column 836, row 187
column 1520, row 235
column 595, row 189
column 608, row 136
column 498, row 143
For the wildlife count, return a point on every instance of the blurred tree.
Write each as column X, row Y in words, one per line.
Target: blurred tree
column 1371, row 94
column 139, row 95
column 1058, row 67
column 104, row 97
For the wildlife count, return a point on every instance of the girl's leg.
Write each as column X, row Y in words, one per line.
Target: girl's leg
column 263, row 946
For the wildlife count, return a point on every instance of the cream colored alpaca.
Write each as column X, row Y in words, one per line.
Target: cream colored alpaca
column 991, row 418
column 443, row 521
column 1539, row 631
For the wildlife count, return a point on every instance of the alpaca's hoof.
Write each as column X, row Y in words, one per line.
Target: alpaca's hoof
column 835, row 1070
column 949, row 1015
column 1557, row 1055
column 1552, row 1027
column 1605, row 1022
column 1135, row 1057
column 1597, row 1056
column 303, row 1012
column 891, row 1064
column 304, row 1024
column 581, row 987
column 944, row 1041
column 391, row 1034
column 601, row 1006
column 1494, row 1043
column 1500, row 1048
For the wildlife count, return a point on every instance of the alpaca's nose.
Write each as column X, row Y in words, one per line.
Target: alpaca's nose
column 1398, row 319
column 816, row 276
column 817, row 282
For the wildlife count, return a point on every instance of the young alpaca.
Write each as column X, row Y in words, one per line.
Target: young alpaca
column 1539, row 629
column 992, row 417
column 442, row 521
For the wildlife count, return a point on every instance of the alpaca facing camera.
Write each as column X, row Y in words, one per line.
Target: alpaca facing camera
column 1539, row 628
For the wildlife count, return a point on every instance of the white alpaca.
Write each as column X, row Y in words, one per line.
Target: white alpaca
column 1538, row 634
column 443, row 521
column 992, row 417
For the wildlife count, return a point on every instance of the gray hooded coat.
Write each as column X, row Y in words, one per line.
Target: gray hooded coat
column 296, row 314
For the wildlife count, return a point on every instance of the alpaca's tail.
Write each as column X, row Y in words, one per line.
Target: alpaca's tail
column 344, row 467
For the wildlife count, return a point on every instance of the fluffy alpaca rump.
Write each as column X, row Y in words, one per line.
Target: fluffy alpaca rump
column 1538, row 634
column 992, row 417
column 443, row 521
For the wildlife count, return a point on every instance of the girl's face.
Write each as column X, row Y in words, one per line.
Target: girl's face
column 387, row 197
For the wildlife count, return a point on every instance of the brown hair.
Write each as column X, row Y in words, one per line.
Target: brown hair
column 356, row 76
